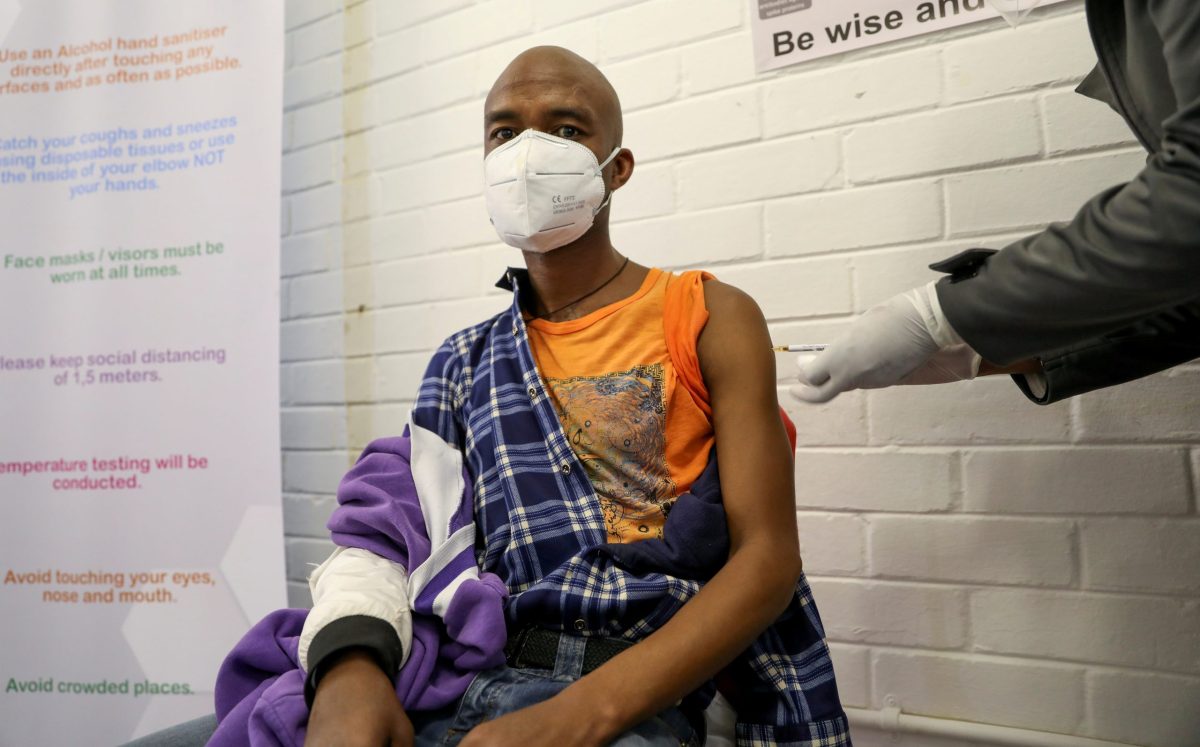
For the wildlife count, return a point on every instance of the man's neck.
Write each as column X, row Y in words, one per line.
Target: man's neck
column 561, row 276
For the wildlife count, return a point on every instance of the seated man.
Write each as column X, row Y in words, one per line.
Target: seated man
column 588, row 529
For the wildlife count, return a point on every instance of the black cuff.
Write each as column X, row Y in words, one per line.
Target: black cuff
column 1023, row 384
column 369, row 634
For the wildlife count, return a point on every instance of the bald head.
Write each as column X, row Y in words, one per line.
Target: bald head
column 554, row 90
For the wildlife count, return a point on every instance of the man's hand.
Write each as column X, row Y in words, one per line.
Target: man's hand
column 886, row 344
column 356, row 706
column 550, row 723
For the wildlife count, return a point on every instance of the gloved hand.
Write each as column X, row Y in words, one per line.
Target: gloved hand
column 892, row 343
column 955, row 363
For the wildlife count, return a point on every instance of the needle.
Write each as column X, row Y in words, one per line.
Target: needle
column 799, row 348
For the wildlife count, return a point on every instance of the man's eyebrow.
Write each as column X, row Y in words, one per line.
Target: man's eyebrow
column 565, row 112
column 570, row 113
column 499, row 115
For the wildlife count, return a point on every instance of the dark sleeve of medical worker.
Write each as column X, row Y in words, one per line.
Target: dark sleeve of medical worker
column 1152, row 345
column 1131, row 254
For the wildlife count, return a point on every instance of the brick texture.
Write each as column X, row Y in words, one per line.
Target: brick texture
column 974, row 557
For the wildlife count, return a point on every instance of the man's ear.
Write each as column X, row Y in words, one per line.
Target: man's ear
column 621, row 169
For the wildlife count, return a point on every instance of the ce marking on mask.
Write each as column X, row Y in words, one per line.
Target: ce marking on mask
column 566, row 204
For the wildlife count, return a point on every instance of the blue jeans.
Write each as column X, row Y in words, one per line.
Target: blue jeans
column 194, row 733
column 493, row 693
column 504, row 690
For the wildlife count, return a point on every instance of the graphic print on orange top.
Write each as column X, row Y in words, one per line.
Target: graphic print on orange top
column 616, row 424
column 633, row 421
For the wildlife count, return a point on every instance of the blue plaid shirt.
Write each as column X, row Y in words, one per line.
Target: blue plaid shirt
column 541, row 530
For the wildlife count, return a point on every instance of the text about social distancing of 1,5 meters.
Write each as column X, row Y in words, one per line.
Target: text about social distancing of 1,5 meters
column 122, row 366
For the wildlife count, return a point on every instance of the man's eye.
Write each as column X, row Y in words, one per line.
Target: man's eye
column 504, row 133
column 568, row 132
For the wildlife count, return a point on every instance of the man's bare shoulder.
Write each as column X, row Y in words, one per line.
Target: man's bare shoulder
column 736, row 337
column 728, row 303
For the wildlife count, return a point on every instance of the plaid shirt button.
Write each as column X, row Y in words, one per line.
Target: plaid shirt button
column 533, row 392
column 580, row 625
column 565, row 468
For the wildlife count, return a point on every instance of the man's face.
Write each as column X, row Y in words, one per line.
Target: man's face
column 551, row 95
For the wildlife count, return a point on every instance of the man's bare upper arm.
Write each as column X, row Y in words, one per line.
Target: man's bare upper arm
column 754, row 456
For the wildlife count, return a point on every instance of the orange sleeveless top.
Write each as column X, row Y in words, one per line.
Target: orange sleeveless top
column 626, row 383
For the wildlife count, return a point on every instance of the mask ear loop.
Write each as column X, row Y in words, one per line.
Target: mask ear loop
column 608, row 192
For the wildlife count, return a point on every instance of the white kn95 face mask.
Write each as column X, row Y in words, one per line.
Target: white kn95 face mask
column 542, row 191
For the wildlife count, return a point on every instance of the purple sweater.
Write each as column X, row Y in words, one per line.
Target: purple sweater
column 458, row 615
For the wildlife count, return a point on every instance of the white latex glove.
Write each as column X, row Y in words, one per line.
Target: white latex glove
column 887, row 345
column 955, row 363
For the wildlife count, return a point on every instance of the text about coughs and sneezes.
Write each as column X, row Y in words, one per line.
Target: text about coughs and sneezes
column 128, row 159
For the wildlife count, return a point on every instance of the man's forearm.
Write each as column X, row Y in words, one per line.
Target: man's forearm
column 721, row 621
column 356, row 703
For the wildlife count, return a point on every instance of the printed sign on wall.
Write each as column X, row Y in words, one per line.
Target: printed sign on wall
column 140, row 518
column 788, row 32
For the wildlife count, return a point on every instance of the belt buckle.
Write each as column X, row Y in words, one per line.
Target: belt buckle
column 515, row 647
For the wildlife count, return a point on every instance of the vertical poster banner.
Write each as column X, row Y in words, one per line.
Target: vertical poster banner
column 788, row 32
column 140, row 512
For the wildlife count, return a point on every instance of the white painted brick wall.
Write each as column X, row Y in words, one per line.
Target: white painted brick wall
column 714, row 120
column 833, row 544
column 1160, row 555
column 1014, row 692
column 779, row 167
column 918, row 615
column 1038, row 193
column 984, row 411
column 834, row 221
column 974, row 556
column 874, row 481
column 1146, row 632
column 943, row 140
column 1117, row 694
column 1162, row 408
column 831, row 95
column 1078, row 480
column 1075, row 123
column 853, row 667
column 985, row 550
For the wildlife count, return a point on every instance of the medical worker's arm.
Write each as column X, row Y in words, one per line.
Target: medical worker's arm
column 744, row 597
column 1128, row 255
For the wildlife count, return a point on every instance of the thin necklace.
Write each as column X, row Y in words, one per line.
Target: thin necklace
column 589, row 294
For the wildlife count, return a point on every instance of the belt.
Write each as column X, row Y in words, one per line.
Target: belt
column 537, row 648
